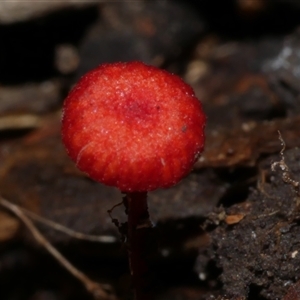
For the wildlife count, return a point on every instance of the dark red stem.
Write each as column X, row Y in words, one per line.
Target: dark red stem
column 138, row 233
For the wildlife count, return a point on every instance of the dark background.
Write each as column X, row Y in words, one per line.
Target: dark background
column 230, row 230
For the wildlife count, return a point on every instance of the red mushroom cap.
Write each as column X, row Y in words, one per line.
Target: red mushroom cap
column 133, row 126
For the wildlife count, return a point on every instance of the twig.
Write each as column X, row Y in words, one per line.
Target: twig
column 99, row 291
column 286, row 175
column 24, row 121
column 68, row 231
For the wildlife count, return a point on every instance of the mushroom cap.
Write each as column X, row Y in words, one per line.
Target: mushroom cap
column 133, row 126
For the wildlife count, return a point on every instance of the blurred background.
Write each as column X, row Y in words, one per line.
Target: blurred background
column 215, row 231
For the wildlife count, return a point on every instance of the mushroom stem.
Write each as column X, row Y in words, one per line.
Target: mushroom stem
column 138, row 234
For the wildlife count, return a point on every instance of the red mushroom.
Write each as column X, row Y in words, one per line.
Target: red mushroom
column 135, row 127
